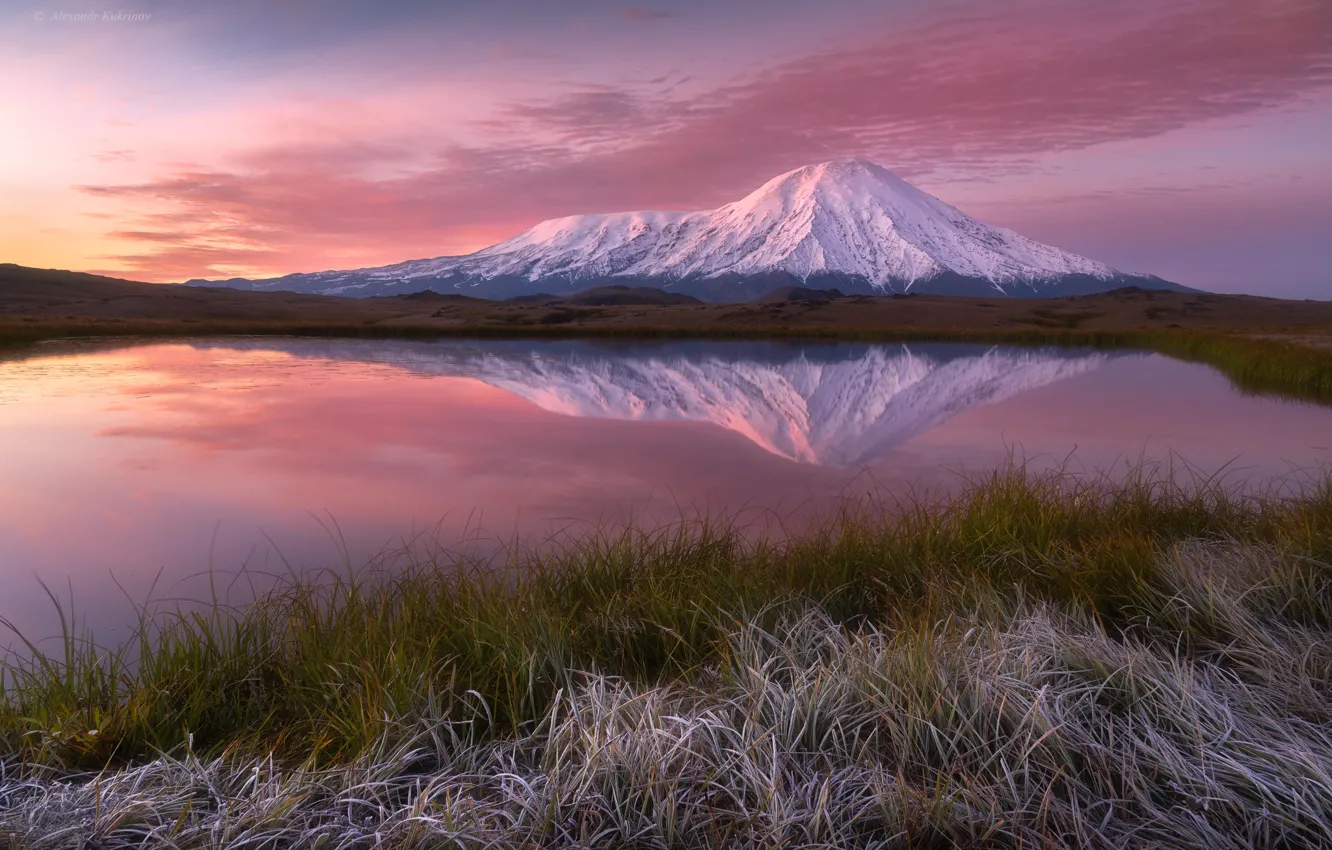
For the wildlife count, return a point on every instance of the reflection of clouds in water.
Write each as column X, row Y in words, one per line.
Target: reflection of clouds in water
column 180, row 455
column 830, row 405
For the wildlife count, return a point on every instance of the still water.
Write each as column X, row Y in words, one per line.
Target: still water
column 120, row 463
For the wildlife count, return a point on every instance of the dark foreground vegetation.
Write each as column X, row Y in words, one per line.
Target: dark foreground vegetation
column 1038, row 662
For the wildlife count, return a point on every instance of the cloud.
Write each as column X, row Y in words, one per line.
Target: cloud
column 115, row 156
column 584, row 118
column 640, row 13
column 970, row 91
column 977, row 94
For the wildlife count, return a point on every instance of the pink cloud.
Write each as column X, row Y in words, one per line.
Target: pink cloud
column 115, row 156
column 952, row 95
column 641, row 13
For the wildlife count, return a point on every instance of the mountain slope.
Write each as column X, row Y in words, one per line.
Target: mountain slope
column 848, row 224
column 830, row 405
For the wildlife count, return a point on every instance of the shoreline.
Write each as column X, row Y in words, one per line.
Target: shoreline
column 1271, row 362
column 1262, row 344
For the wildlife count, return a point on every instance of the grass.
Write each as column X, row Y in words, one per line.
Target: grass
column 1257, row 365
column 1039, row 661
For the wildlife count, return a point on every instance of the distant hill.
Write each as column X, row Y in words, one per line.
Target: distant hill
column 38, row 303
column 800, row 293
column 22, row 285
column 58, row 294
column 609, row 296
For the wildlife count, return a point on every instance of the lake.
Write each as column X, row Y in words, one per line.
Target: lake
column 123, row 462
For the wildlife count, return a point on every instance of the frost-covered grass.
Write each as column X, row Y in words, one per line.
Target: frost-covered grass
column 1030, row 726
column 1039, row 662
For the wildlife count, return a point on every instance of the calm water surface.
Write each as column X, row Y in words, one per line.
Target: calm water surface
column 120, row 463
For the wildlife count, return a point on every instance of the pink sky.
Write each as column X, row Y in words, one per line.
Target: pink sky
column 1187, row 138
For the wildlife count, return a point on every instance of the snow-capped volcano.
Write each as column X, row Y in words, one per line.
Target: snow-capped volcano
column 839, row 405
column 848, row 224
column 848, row 217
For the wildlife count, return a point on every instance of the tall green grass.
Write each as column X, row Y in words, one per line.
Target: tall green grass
column 1257, row 365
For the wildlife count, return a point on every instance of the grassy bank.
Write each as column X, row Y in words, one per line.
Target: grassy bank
column 1257, row 365
column 1037, row 662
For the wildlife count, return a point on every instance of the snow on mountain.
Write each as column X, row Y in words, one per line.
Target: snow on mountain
column 846, row 223
column 848, row 217
column 837, row 406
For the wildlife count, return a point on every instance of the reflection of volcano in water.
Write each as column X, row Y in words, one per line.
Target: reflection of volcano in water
column 834, row 405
